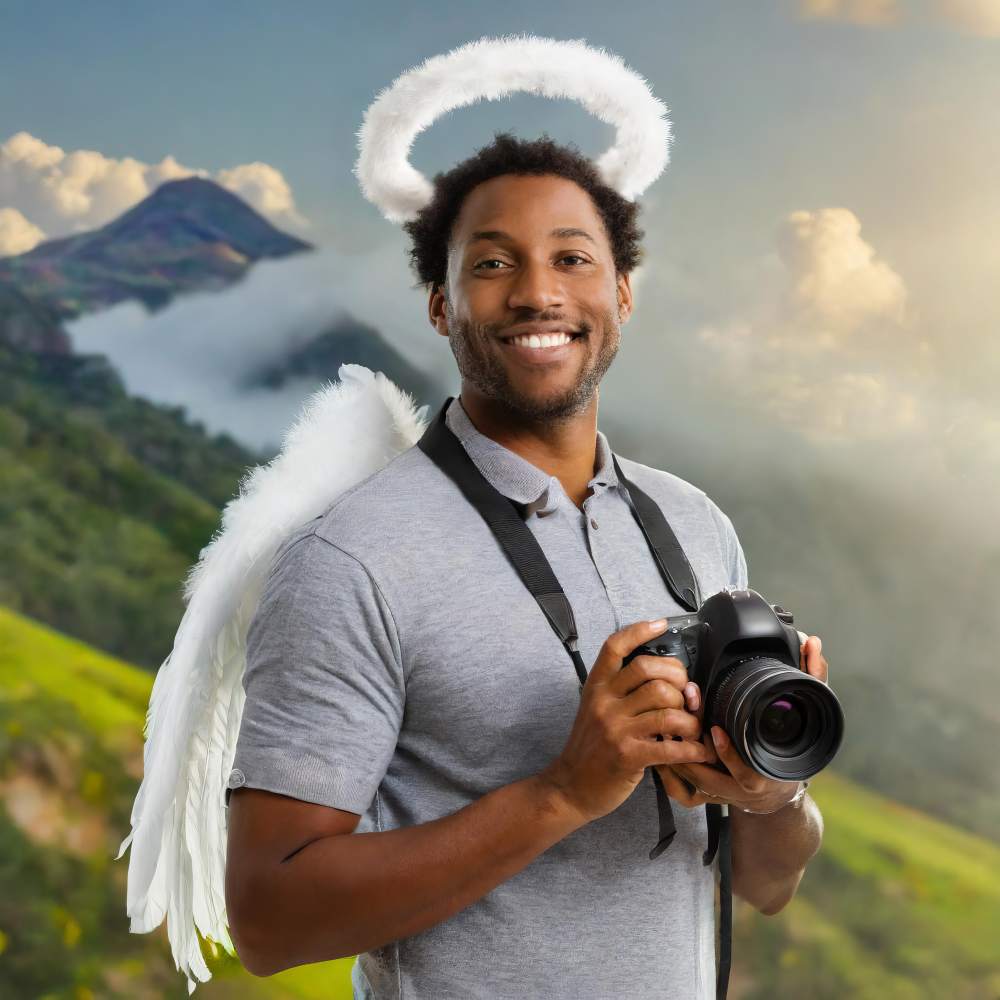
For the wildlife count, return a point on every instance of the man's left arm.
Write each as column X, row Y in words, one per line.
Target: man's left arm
column 770, row 852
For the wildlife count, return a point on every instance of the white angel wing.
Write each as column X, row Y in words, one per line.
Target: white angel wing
column 345, row 432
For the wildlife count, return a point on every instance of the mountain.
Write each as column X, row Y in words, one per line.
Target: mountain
column 190, row 234
column 349, row 340
column 107, row 498
column 105, row 501
column 29, row 325
column 895, row 905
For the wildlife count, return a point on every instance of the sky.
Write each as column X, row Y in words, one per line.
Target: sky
column 822, row 252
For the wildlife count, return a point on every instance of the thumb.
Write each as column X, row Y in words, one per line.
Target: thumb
column 619, row 644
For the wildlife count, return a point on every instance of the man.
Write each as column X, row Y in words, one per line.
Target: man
column 403, row 687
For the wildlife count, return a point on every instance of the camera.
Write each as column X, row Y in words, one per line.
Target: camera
column 744, row 656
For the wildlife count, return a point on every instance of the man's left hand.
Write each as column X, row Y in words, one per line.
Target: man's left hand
column 743, row 787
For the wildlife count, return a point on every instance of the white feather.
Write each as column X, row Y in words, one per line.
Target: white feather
column 491, row 68
column 346, row 431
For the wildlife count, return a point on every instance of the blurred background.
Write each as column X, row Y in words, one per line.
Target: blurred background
column 185, row 256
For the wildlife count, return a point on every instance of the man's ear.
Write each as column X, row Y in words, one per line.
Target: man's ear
column 436, row 310
column 624, row 298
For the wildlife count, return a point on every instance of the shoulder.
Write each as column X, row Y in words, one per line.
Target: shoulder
column 661, row 484
column 689, row 509
column 380, row 521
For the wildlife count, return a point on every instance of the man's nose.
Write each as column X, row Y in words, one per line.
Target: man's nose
column 536, row 286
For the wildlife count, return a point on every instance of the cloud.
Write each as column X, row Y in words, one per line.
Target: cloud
column 264, row 187
column 59, row 193
column 836, row 283
column 818, row 343
column 199, row 351
column 980, row 17
column 17, row 234
column 869, row 12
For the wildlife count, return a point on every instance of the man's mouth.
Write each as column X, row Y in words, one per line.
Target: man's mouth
column 543, row 341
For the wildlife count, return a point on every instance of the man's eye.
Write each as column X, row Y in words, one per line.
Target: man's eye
column 491, row 260
column 575, row 256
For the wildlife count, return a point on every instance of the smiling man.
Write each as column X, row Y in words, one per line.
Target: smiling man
column 419, row 778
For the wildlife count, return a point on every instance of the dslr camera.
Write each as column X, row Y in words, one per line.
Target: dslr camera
column 744, row 656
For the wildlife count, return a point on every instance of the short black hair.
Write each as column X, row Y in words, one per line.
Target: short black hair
column 430, row 231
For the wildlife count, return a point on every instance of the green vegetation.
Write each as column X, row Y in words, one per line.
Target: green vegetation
column 105, row 503
column 71, row 750
column 896, row 905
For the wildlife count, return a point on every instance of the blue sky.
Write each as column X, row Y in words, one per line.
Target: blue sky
column 754, row 89
column 822, row 257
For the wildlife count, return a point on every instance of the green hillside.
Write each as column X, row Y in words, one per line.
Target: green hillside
column 896, row 905
column 105, row 502
column 71, row 751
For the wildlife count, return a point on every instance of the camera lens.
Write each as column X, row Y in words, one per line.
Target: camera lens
column 784, row 723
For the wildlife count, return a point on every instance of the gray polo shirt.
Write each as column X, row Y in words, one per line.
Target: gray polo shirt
column 398, row 668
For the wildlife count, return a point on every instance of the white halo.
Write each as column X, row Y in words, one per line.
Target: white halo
column 491, row 68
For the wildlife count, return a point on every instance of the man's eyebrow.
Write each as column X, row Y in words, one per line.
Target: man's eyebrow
column 498, row 235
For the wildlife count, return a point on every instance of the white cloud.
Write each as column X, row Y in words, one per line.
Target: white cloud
column 817, row 344
column 980, row 17
column 62, row 193
column 263, row 187
column 836, row 282
column 17, row 234
column 870, row 12
column 199, row 351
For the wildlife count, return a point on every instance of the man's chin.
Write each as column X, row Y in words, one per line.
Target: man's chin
column 548, row 406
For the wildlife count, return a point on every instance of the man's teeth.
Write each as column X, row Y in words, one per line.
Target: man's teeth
column 546, row 340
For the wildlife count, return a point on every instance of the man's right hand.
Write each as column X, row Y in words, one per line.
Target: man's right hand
column 613, row 739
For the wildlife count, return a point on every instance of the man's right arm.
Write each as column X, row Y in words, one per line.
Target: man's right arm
column 301, row 887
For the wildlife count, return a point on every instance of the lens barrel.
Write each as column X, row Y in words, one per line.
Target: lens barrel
column 784, row 723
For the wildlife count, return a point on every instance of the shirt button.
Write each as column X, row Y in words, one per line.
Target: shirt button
column 236, row 778
column 593, row 523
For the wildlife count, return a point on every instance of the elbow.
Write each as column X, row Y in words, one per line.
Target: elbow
column 250, row 948
column 777, row 901
column 252, row 938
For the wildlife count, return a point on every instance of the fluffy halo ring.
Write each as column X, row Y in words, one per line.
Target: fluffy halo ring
column 491, row 68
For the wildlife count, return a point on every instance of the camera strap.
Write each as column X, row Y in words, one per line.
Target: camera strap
column 504, row 518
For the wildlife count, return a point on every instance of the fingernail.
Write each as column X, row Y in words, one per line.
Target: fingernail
column 719, row 737
column 819, row 645
column 660, row 623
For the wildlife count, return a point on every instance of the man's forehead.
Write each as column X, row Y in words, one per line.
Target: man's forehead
column 514, row 207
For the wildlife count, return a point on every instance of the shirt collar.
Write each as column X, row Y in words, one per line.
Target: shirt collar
column 515, row 477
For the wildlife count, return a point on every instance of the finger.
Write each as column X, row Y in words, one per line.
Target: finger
column 667, row 722
column 652, row 695
column 745, row 777
column 688, row 752
column 692, row 694
column 618, row 645
column 816, row 664
column 692, row 697
column 645, row 668
column 711, row 782
column 676, row 789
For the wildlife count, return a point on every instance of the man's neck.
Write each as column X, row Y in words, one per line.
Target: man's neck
column 566, row 449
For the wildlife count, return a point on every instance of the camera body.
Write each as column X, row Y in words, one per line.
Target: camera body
column 743, row 654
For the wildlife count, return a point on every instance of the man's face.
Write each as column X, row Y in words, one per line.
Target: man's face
column 530, row 255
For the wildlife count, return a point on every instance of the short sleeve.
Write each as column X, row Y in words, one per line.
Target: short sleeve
column 323, row 681
column 736, row 563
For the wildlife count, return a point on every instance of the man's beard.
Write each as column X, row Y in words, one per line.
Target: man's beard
column 488, row 375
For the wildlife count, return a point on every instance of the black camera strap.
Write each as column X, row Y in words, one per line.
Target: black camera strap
column 441, row 445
